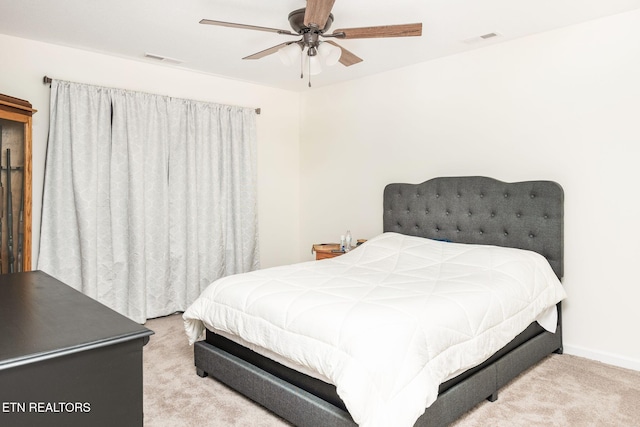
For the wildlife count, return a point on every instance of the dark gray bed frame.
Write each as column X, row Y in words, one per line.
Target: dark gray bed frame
column 526, row 215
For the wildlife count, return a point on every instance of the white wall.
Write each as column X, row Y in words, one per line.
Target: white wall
column 562, row 105
column 25, row 63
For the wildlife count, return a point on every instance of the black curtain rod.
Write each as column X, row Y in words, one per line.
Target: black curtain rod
column 47, row 80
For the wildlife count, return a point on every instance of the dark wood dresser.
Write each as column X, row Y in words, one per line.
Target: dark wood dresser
column 65, row 359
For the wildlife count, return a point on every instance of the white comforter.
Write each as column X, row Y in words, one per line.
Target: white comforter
column 387, row 322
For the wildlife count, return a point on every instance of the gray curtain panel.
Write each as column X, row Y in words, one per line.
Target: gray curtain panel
column 147, row 198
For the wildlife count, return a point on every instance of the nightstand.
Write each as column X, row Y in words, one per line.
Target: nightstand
column 326, row 250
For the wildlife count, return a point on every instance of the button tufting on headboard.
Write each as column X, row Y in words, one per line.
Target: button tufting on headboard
column 525, row 215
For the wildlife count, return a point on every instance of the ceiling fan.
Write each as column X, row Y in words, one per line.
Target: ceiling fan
column 312, row 23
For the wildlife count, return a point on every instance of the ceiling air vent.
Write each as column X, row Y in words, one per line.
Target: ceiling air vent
column 161, row 58
column 489, row 35
column 482, row 37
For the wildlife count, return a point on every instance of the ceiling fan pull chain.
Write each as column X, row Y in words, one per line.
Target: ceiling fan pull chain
column 309, row 71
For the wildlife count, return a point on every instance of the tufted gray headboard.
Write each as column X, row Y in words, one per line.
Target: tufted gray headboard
column 525, row 215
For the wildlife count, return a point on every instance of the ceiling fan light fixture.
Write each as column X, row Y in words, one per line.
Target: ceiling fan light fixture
column 290, row 54
column 330, row 53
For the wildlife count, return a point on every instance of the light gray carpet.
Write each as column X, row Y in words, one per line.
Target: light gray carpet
column 562, row 390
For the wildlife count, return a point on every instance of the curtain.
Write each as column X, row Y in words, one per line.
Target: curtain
column 147, row 198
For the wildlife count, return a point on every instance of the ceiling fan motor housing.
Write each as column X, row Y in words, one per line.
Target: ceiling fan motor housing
column 296, row 20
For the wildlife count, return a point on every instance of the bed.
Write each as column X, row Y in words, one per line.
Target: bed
column 436, row 216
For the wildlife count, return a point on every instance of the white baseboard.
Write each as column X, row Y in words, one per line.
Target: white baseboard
column 604, row 357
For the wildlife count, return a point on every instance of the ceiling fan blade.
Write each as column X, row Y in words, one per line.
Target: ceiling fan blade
column 268, row 51
column 402, row 30
column 245, row 27
column 347, row 58
column 317, row 12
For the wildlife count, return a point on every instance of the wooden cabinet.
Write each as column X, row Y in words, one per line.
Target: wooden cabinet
column 15, row 199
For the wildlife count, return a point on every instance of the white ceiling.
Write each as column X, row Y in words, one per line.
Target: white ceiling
column 170, row 28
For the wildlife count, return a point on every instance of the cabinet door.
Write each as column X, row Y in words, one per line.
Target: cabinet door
column 15, row 199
